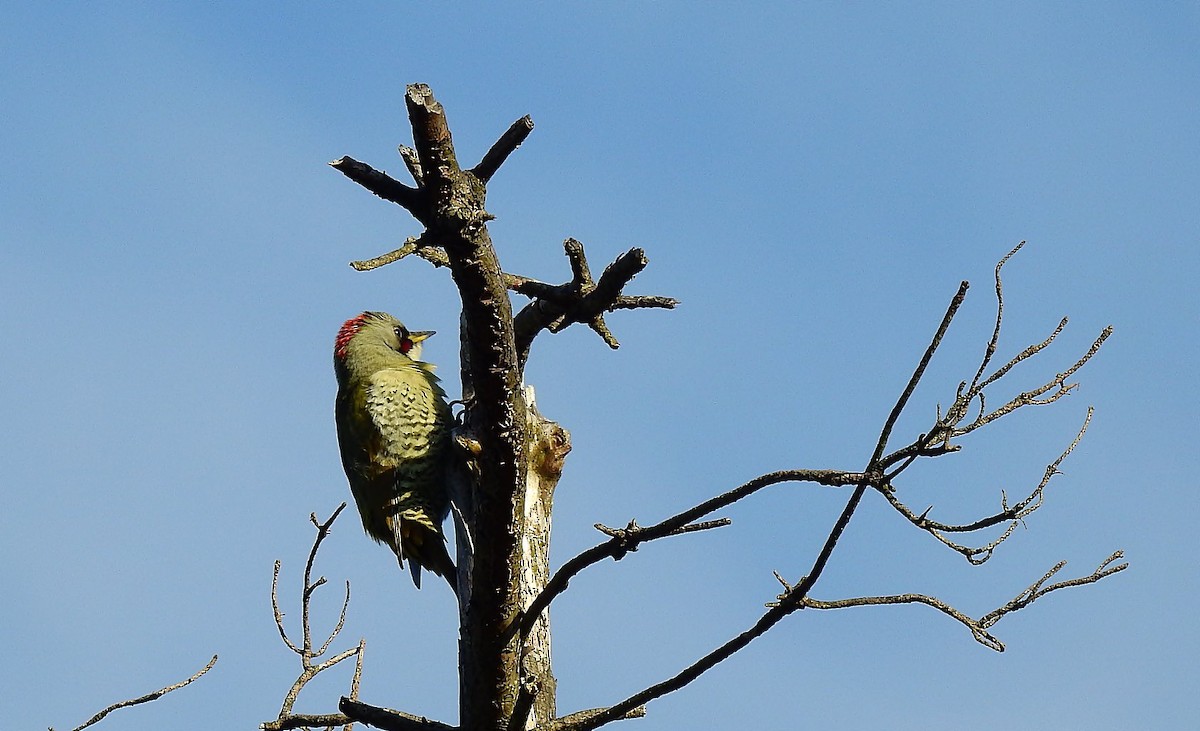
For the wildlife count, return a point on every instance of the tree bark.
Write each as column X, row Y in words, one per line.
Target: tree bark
column 494, row 425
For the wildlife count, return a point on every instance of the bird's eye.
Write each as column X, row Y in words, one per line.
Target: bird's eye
column 406, row 343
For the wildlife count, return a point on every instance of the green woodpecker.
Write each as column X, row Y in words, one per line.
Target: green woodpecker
column 393, row 428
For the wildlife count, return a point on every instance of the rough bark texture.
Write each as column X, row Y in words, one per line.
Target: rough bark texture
column 495, row 421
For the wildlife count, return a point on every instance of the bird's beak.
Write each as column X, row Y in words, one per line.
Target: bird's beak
column 419, row 336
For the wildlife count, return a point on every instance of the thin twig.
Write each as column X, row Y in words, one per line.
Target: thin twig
column 980, row 634
column 356, row 681
column 338, row 627
column 310, row 586
column 1038, row 590
column 279, row 614
column 990, row 350
column 410, row 246
column 308, row 667
column 148, row 697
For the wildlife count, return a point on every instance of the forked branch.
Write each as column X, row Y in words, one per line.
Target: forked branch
column 881, row 470
column 978, row 627
column 956, row 422
column 582, row 299
column 309, row 665
column 1014, row 514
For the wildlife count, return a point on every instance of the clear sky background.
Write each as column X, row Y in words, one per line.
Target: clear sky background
column 812, row 182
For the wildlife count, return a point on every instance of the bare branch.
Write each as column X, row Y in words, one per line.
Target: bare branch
column 388, row 719
column 626, row 533
column 155, row 695
column 499, row 152
column 937, row 441
column 1038, row 588
column 629, row 538
column 582, row 299
column 338, row 627
column 979, row 626
column 794, row 598
column 884, row 435
column 990, row 350
column 411, row 245
column 309, row 668
column 574, row 720
column 436, row 255
column 382, row 185
column 553, row 303
column 306, row 720
column 278, row 613
column 874, row 471
column 980, row 634
column 686, row 676
column 1014, row 514
column 1034, row 397
column 309, row 586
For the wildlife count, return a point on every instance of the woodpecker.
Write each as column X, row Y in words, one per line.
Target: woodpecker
column 393, row 426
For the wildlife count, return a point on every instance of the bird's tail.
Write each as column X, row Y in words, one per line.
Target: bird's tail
column 425, row 548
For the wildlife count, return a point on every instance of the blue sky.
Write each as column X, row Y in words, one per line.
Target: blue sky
column 811, row 181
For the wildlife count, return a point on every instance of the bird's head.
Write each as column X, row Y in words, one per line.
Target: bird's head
column 376, row 332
